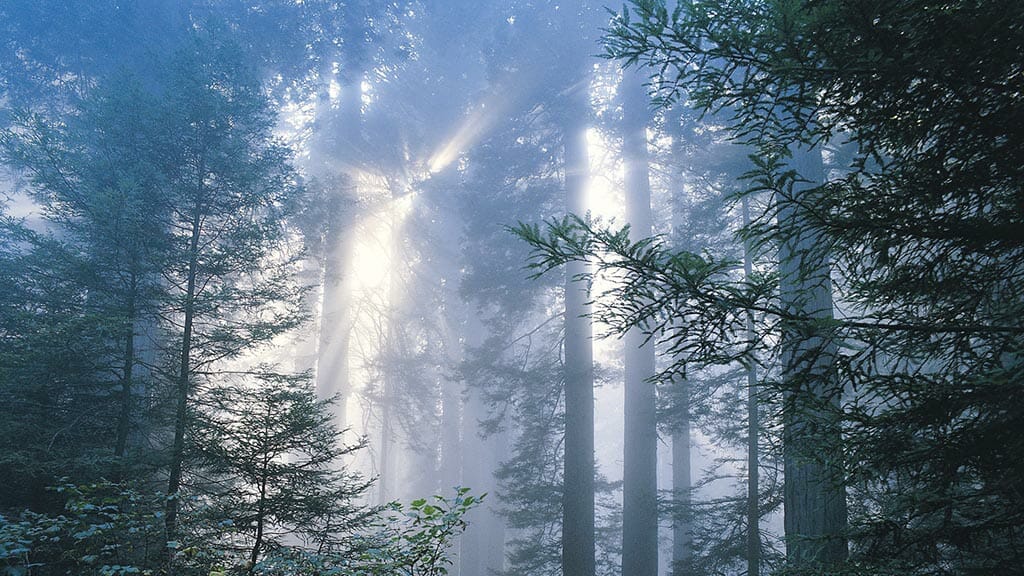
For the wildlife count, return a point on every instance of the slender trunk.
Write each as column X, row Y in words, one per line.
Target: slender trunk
column 815, row 500
column 640, row 461
column 385, row 490
column 254, row 554
column 452, row 321
column 261, row 505
column 753, row 429
column 682, row 530
column 682, row 483
column 124, row 418
column 482, row 549
column 578, row 548
column 184, row 375
column 452, row 316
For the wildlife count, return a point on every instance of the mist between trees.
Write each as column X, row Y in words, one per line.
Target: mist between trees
column 511, row 288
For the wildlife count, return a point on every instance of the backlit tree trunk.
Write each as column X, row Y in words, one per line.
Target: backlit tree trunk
column 640, row 484
column 578, row 551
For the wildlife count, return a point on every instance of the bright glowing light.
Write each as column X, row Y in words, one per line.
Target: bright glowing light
column 472, row 129
column 334, row 89
column 604, row 199
column 367, row 91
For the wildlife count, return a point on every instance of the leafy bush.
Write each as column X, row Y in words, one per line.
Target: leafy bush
column 112, row 530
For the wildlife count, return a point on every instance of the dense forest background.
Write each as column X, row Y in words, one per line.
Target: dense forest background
column 511, row 287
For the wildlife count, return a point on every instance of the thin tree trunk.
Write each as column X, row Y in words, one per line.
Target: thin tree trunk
column 753, row 429
column 452, row 316
column 183, row 391
column 640, row 460
column 682, row 530
column 682, row 483
column 389, row 447
column 261, row 506
column 125, row 415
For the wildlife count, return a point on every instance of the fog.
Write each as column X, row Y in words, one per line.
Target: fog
column 278, row 265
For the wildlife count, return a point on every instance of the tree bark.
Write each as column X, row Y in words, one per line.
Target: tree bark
column 753, row 428
column 682, row 483
column 640, row 461
column 125, row 416
column 682, row 529
column 578, row 547
column 183, row 391
column 815, row 498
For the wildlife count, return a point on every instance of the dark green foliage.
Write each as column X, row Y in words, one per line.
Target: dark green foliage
column 112, row 530
column 272, row 468
column 657, row 288
column 58, row 356
column 104, row 528
column 921, row 218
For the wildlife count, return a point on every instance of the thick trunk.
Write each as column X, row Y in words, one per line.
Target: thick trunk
column 578, row 551
column 640, row 485
column 815, row 499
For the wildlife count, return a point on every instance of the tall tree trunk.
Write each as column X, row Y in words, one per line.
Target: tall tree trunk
column 451, row 419
column 124, row 418
column 389, row 482
column 453, row 317
column 753, row 428
column 682, row 483
column 183, row 391
column 815, row 498
column 482, row 547
column 578, row 548
column 682, row 529
column 640, row 460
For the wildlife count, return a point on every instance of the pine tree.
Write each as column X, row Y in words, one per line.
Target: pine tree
column 227, row 185
column 274, row 464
